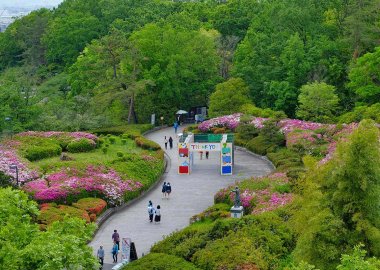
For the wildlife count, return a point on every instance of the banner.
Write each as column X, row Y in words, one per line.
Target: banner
column 125, row 248
column 204, row 147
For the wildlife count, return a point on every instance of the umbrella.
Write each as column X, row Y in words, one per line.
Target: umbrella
column 181, row 112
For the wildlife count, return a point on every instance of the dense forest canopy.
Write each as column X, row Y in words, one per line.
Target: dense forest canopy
column 98, row 63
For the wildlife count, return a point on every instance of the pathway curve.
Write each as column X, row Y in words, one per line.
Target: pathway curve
column 191, row 194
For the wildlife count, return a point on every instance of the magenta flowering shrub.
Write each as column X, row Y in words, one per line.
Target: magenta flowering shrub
column 9, row 157
column 59, row 134
column 58, row 186
column 258, row 194
column 229, row 121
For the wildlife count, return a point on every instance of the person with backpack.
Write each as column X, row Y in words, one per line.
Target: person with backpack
column 168, row 189
column 157, row 217
column 164, row 190
column 150, row 211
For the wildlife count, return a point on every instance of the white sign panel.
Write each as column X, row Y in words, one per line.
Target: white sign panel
column 211, row 147
column 125, row 248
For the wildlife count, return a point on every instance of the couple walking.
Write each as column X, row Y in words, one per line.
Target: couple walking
column 166, row 190
column 170, row 143
column 154, row 212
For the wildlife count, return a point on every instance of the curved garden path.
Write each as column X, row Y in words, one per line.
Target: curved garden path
column 191, row 194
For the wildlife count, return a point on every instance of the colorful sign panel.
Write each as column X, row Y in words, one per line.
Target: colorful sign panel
column 226, row 159
column 211, row 147
column 184, row 160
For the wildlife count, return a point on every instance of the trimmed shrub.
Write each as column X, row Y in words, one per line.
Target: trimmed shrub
column 123, row 141
column 82, row 145
column 260, row 145
column 112, row 140
column 5, row 180
column 118, row 130
column 160, row 261
column 51, row 212
column 34, row 152
column 104, row 150
column 120, row 154
column 146, row 144
column 91, row 205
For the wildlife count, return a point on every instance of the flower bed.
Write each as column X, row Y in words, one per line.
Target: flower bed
column 260, row 194
column 9, row 157
column 71, row 183
column 59, row 134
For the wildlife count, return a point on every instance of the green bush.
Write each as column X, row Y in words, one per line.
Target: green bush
column 260, row 145
column 123, row 141
column 160, row 261
column 5, row 180
column 34, row 152
column 104, row 150
column 119, row 154
column 82, row 145
column 112, row 140
column 146, row 144
column 119, row 130
column 247, row 132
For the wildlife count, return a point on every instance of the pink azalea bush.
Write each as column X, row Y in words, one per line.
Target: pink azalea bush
column 257, row 198
column 99, row 180
column 59, row 134
column 296, row 131
column 8, row 157
column 229, row 121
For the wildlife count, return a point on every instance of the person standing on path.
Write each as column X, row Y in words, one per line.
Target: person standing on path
column 157, row 217
column 171, row 142
column 201, row 154
column 207, row 153
column 166, row 143
column 150, row 211
column 164, row 190
column 115, row 251
column 100, row 255
column 168, row 189
column 175, row 127
column 116, row 238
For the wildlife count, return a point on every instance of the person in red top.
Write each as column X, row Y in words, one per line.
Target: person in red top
column 116, row 238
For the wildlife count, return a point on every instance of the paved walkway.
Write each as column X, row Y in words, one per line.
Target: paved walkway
column 191, row 194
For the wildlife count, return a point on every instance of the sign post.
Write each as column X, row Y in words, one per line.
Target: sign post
column 125, row 248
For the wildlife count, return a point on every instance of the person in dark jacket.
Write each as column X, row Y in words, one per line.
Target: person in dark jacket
column 168, row 189
column 163, row 190
column 171, row 142
column 116, row 238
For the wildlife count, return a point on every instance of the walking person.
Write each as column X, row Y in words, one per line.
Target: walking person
column 168, row 189
column 207, row 153
column 175, row 127
column 164, row 190
column 100, row 255
column 157, row 217
column 150, row 211
column 116, row 238
column 166, row 143
column 171, row 142
column 115, row 251
column 201, row 154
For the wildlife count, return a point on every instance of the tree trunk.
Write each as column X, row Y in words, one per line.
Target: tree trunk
column 131, row 104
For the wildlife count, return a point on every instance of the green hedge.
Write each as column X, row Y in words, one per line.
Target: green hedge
column 260, row 145
column 82, row 145
column 119, row 130
column 146, row 144
column 160, row 261
column 34, row 152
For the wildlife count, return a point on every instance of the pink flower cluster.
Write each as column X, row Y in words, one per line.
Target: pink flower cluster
column 263, row 199
column 289, row 125
column 58, row 134
column 9, row 157
column 57, row 186
column 267, row 201
column 229, row 121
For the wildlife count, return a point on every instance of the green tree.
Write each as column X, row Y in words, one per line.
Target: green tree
column 318, row 102
column 228, row 97
column 67, row 36
column 357, row 261
column 365, row 76
column 24, row 246
column 340, row 201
